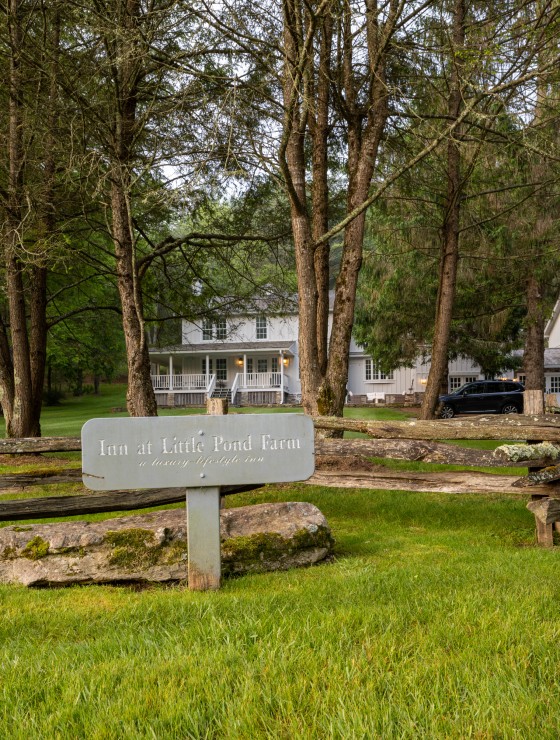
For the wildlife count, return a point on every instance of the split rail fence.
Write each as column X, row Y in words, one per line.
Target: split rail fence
column 528, row 442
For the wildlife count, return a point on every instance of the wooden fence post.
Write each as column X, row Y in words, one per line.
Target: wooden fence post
column 216, row 406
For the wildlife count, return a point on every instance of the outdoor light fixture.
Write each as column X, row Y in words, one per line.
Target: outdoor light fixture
column 239, row 361
column 423, row 381
column 285, row 361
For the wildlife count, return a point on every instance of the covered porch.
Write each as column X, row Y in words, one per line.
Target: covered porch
column 245, row 373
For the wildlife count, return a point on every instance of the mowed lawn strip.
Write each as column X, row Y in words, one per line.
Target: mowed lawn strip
column 436, row 618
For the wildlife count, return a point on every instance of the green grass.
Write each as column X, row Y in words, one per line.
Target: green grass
column 436, row 619
column 67, row 419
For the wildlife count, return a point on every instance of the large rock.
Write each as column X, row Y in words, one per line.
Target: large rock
column 153, row 547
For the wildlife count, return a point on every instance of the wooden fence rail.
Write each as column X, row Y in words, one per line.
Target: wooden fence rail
column 347, row 463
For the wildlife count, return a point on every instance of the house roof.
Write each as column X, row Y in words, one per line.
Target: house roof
column 552, row 320
column 551, row 357
column 212, row 348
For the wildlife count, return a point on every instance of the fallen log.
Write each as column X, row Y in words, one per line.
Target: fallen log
column 445, row 482
column 546, row 428
column 97, row 503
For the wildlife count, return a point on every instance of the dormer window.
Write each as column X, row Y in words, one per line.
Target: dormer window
column 261, row 327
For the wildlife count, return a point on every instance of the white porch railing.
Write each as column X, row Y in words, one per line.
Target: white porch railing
column 261, row 380
column 211, row 385
column 190, row 382
column 196, row 382
column 160, row 382
column 234, row 388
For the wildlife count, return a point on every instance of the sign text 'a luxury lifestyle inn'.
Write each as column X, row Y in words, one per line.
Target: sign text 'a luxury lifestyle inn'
column 196, row 451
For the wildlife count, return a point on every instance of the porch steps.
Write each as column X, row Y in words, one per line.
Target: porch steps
column 222, row 393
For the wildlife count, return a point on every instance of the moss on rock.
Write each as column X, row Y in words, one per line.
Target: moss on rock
column 35, row 549
column 9, row 553
column 136, row 549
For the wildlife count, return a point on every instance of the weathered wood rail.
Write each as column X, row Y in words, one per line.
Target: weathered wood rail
column 347, row 463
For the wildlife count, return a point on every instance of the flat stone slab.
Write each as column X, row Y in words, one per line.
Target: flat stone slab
column 153, row 547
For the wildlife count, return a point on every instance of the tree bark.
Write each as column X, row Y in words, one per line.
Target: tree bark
column 141, row 400
column 23, row 344
column 449, row 257
column 533, row 355
column 18, row 410
column 306, row 89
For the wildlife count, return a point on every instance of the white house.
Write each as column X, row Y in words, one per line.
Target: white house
column 249, row 358
column 253, row 359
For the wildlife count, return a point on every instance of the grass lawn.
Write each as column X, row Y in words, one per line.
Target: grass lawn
column 66, row 420
column 435, row 619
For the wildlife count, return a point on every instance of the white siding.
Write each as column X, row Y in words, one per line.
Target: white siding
column 554, row 336
column 243, row 329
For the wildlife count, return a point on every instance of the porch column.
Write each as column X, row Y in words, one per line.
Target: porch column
column 244, row 371
column 207, row 370
column 281, row 377
column 170, row 372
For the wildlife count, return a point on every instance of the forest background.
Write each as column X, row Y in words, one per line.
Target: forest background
column 159, row 152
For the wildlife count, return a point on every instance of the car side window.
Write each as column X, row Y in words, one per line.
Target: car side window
column 494, row 387
column 474, row 388
column 511, row 387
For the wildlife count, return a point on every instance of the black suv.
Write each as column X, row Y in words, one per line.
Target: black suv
column 496, row 396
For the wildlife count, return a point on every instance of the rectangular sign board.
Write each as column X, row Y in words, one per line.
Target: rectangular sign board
column 196, row 451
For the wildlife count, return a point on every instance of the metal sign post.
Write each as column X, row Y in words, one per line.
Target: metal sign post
column 201, row 453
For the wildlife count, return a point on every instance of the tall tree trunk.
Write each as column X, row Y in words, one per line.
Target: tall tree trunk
column 449, row 257
column 533, row 355
column 319, row 130
column 141, row 400
column 324, row 374
column 18, row 409
column 140, row 397
column 293, row 163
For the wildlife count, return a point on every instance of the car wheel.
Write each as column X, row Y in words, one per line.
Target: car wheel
column 510, row 408
column 447, row 412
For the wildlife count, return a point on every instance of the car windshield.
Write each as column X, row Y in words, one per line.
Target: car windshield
column 462, row 388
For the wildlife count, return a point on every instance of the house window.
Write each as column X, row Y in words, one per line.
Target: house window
column 489, row 376
column 554, row 384
column 261, row 327
column 522, row 379
column 249, row 364
column 274, row 367
column 204, row 367
column 472, row 379
column 455, row 383
column 372, row 371
column 262, row 366
column 221, row 369
column 213, row 330
column 207, row 333
column 220, row 327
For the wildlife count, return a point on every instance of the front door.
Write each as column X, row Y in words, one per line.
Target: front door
column 221, row 372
